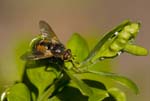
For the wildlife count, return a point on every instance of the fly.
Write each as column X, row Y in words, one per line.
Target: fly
column 47, row 45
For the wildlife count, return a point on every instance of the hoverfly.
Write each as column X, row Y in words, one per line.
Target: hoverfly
column 47, row 46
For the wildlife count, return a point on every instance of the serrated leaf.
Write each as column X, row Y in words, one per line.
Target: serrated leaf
column 78, row 46
column 120, row 79
column 117, row 94
column 85, row 89
column 18, row 92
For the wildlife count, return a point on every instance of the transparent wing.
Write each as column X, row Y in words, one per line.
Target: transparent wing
column 47, row 32
column 48, row 37
column 31, row 56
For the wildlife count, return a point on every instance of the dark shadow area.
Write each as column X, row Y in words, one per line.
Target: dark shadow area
column 48, row 63
column 95, row 84
column 28, row 83
column 71, row 94
column 110, row 98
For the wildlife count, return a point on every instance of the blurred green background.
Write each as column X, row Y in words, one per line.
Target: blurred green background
column 91, row 18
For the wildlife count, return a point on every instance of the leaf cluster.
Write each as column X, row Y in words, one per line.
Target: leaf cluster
column 57, row 80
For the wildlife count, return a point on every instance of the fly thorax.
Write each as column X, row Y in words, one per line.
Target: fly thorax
column 57, row 49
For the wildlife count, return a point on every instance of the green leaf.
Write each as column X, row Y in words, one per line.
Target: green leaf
column 47, row 93
column 120, row 79
column 78, row 46
column 18, row 92
column 105, row 40
column 117, row 94
column 136, row 50
column 72, row 93
column 41, row 78
column 94, row 82
column 54, row 98
column 126, row 82
column 98, row 95
column 98, row 88
column 84, row 88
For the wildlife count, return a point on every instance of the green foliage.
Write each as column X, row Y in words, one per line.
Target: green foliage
column 40, row 78
column 18, row 92
column 54, row 79
column 120, row 79
column 78, row 46
column 119, row 95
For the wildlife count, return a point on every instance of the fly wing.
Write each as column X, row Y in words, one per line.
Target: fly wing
column 47, row 32
column 31, row 56
column 41, row 47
